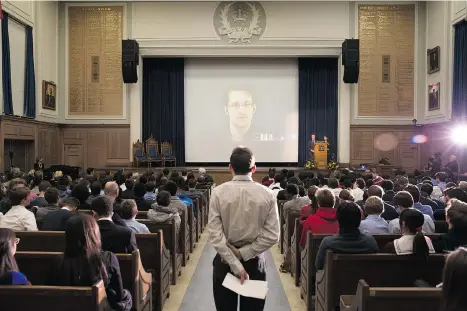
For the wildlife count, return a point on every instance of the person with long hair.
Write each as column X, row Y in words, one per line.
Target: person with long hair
column 412, row 241
column 454, row 285
column 456, row 217
column 9, row 272
column 84, row 263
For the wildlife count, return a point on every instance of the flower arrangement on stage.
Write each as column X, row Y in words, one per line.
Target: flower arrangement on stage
column 310, row 165
column 333, row 165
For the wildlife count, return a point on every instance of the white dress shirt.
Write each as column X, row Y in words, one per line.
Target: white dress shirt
column 243, row 213
column 18, row 218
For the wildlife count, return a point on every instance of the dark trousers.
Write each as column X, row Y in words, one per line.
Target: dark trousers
column 227, row 300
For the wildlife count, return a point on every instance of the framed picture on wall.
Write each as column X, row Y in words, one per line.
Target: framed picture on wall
column 433, row 60
column 433, row 96
column 49, row 94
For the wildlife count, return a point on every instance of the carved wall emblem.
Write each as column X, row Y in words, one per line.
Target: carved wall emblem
column 240, row 21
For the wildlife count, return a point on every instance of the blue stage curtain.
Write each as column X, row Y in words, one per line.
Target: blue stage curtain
column 317, row 103
column 459, row 85
column 163, row 111
column 6, row 67
column 29, row 77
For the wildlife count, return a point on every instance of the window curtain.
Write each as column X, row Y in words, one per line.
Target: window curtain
column 29, row 77
column 6, row 68
column 318, row 103
column 163, row 110
column 459, row 85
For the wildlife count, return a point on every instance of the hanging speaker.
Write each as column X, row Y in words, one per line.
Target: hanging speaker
column 351, row 60
column 130, row 61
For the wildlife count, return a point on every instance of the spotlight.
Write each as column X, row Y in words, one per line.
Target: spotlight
column 459, row 135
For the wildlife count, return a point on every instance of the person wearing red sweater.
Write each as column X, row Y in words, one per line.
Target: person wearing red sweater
column 324, row 220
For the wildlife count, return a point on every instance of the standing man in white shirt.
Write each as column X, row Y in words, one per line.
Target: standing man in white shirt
column 243, row 224
column 18, row 218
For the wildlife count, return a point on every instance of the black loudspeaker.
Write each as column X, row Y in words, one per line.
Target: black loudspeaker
column 130, row 61
column 351, row 60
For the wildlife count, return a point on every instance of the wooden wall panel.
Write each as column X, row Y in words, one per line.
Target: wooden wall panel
column 101, row 146
column 371, row 143
column 48, row 144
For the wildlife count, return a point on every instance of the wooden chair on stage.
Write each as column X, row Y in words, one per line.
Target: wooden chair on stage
column 152, row 150
column 138, row 154
column 167, row 155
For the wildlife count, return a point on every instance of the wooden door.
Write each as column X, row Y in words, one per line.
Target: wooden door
column 408, row 156
column 73, row 155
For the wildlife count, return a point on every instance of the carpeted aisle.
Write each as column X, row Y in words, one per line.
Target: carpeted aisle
column 198, row 296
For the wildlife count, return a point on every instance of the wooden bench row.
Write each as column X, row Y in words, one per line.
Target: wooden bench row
column 308, row 257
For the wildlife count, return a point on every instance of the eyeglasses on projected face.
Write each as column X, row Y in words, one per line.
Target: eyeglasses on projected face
column 238, row 105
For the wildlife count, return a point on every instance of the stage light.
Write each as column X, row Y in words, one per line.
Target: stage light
column 459, row 135
column 419, row 139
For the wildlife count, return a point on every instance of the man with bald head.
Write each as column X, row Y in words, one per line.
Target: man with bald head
column 389, row 212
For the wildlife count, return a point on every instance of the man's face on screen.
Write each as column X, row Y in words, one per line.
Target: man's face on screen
column 240, row 108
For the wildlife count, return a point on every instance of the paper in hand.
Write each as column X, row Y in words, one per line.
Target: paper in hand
column 250, row 288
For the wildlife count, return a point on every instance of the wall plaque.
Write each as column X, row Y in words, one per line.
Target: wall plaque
column 95, row 84
column 386, row 82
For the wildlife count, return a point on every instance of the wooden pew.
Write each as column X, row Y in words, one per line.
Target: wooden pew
column 199, row 215
column 184, row 237
column 295, row 269
column 47, row 298
column 37, row 266
column 342, row 273
column 308, row 257
column 392, row 298
column 192, row 230
column 154, row 256
column 289, row 230
column 280, row 206
column 171, row 242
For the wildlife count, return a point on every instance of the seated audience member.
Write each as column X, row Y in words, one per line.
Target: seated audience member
column 129, row 212
column 373, row 223
column 115, row 238
column 312, row 207
column 324, row 220
column 388, row 188
column 412, row 241
column 271, row 177
column 403, row 200
column 463, row 185
column 175, row 201
column 15, row 183
column 305, row 200
column 18, row 218
column 277, row 181
column 357, row 191
column 139, row 191
column 207, row 178
column 441, row 180
column 333, row 184
column 84, row 263
column 345, row 195
column 57, row 220
column 40, row 201
column 81, row 193
column 426, row 190
column 455, row 193
column 9, row 272
column 161, row 211
column 389, row 212
column 51, row 196
column 454, row 285
column 400, row 183
column 456, row 217
column 349, row 240
column 128, row 192
column 281, row 193
column 96, row 190
column 166, row 172
column 151, row 192
column 184, row 175
column 294, row 204
column 36, row 181
column 415, row 192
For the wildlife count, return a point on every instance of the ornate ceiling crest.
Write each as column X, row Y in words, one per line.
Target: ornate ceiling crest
column 239, row 21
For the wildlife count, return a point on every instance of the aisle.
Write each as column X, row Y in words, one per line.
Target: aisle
column 198, row 296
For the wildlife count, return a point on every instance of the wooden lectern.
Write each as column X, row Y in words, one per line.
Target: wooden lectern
column 321, row 154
